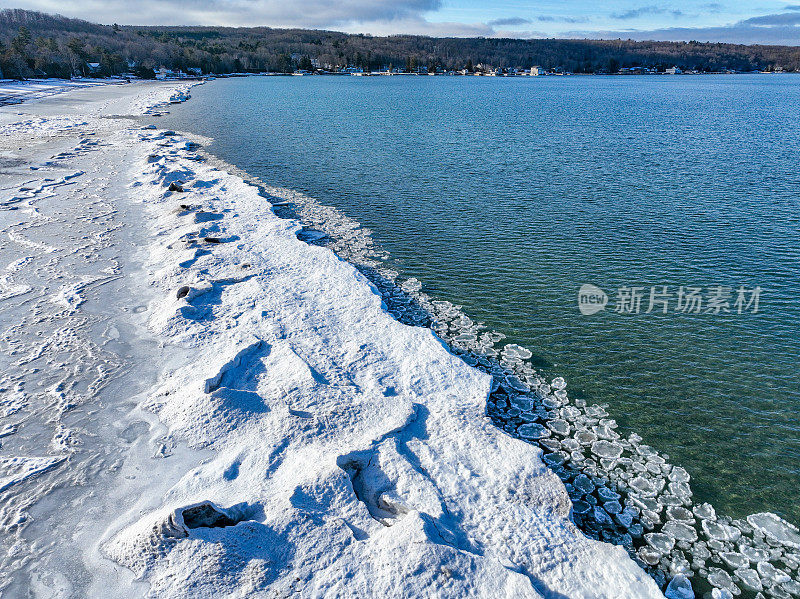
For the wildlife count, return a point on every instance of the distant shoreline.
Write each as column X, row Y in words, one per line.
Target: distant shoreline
column 7, row 85
column 126, row 49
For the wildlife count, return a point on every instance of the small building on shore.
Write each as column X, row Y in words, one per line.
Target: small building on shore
column 164, row 74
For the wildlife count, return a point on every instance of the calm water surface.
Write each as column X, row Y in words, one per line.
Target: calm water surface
column 505, row 195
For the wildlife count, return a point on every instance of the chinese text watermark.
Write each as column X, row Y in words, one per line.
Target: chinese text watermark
column 664, row 299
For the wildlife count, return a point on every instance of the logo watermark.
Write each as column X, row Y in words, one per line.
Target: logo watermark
column 591, row 299
column 665, row 299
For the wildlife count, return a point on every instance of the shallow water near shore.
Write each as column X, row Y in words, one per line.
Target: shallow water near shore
column 506, row 195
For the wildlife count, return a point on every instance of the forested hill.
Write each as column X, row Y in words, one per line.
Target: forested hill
column 34, row 44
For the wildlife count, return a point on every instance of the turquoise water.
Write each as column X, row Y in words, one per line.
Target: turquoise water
column 506, row 195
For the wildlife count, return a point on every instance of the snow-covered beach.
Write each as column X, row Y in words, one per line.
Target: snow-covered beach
column 197, row 403
column 16, row 92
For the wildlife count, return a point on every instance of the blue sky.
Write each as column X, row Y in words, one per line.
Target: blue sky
column 760, row 21
column 705, row 20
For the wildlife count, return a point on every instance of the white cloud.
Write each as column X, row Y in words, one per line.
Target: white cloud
column 276, row 13
column 644, row 11
column 509, row 22
column 769, row 29
column 786, row 18
column 420, row 26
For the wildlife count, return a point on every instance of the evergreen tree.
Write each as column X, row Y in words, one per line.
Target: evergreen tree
column 305, row 63
column 21, row 41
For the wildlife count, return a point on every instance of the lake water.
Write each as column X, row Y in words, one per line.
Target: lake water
column 506, row 195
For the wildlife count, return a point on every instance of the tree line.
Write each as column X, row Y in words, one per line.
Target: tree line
column 34, row 44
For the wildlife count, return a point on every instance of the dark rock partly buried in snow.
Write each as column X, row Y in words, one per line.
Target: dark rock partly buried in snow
column 212, row 240
column 207, row 516
column 183, row 291
column 175, row 187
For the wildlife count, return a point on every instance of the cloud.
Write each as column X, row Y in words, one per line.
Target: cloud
column 785, row 18
column 420, row 26
column 778, row 29
column 387, row 17
column 510, row 22
column 521, row 35
column 644, row 11
column 551, row 19
column 277, row 13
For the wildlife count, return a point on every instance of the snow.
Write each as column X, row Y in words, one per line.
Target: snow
column 17, row 469
column 340, row 437
column 15, row 92
column 67, row 237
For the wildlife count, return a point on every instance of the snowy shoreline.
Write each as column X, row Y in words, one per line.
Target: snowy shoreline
column 307, row 440
column 16, row 92
column 338, row 432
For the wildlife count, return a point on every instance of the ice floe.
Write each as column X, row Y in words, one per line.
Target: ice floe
column 776, row 528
